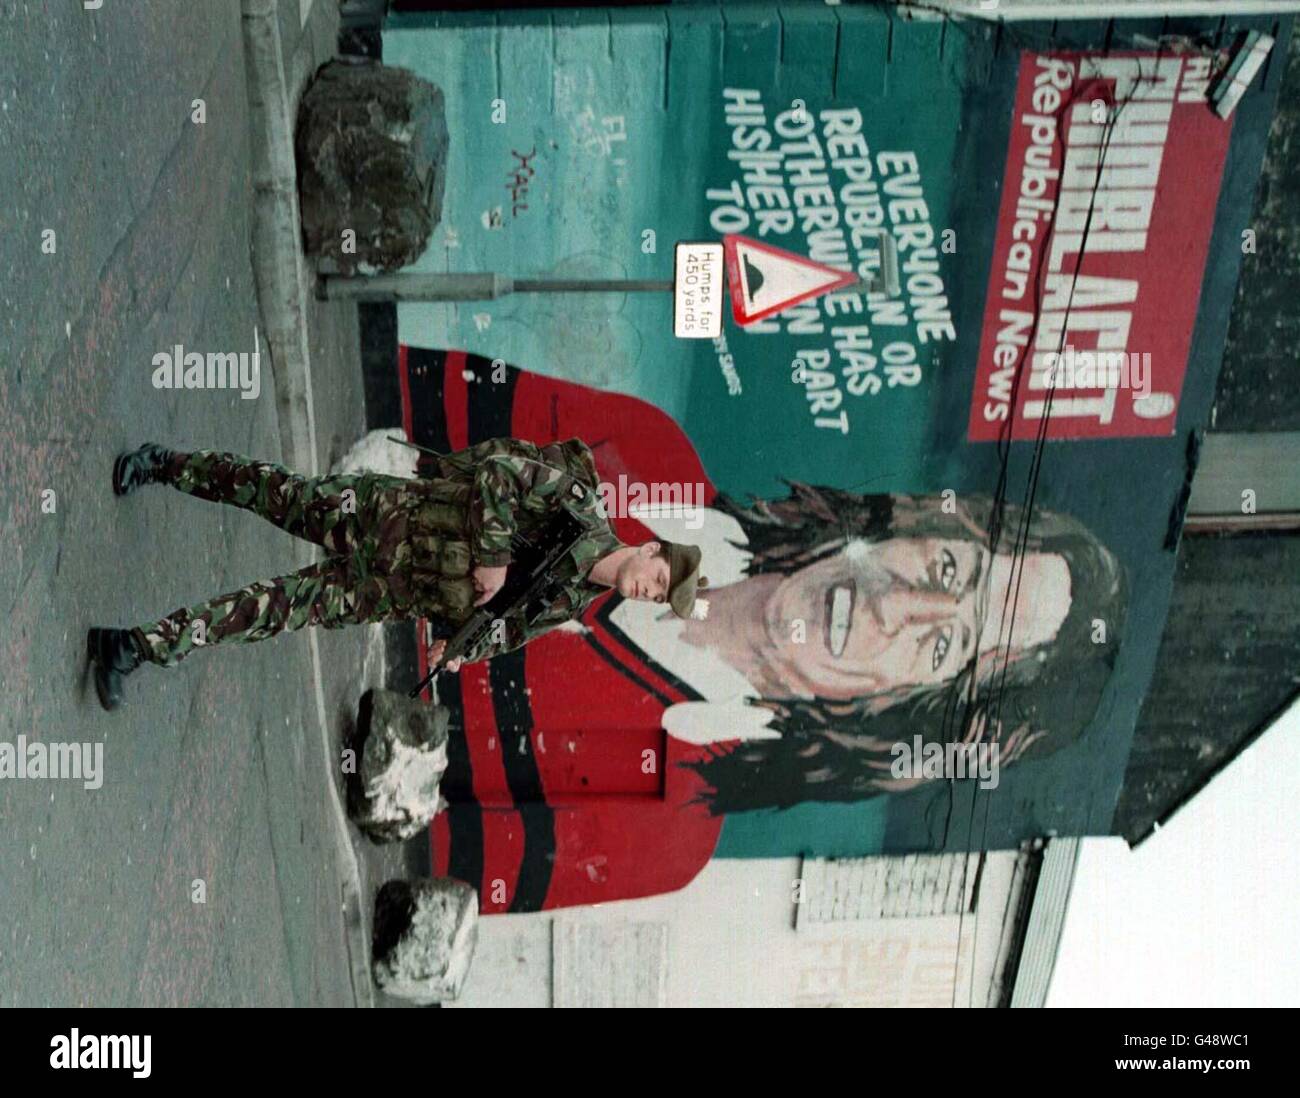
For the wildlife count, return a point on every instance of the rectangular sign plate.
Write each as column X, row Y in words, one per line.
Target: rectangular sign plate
column 698, row 291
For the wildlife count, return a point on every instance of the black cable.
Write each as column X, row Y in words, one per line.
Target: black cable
column 993, row 713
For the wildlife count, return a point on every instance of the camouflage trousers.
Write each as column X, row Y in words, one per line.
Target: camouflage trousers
column 363, row 521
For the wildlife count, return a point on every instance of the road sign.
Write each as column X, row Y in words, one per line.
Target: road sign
column 764, row 280
column 699, row 285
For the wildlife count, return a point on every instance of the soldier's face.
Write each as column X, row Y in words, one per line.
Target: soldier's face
column 904, row 612
column 644, row 576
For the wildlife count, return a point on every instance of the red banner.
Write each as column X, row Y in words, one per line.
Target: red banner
column 1109, row 194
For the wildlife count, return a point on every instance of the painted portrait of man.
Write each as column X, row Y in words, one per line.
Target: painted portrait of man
column 840, row 624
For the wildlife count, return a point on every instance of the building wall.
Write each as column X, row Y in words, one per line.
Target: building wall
column 615, row 134
column 736, row 937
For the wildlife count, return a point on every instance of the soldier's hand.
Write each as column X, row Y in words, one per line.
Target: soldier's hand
column 487, row 582
column 436, row 649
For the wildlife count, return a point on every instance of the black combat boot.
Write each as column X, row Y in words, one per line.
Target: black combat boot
column 114, row 654
column 146, row 465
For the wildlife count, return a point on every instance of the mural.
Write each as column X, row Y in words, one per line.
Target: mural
column 917, row 505
column 840, row 624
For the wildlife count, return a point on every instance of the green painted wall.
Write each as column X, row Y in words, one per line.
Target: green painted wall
column 614, row 127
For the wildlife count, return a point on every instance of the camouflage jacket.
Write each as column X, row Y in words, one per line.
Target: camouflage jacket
column 512, row 487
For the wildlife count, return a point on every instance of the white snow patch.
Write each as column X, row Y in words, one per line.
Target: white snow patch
column 375, row 452
column 407, row 789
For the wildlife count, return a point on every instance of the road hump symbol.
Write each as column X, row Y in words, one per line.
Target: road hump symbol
column 764, row 280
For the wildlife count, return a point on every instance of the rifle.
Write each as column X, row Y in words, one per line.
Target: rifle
column 529, row 587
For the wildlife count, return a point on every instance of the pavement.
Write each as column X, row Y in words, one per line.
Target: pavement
column 207, row 869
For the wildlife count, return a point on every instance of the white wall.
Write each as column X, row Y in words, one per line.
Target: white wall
column 1205, row 912
column 731, row 941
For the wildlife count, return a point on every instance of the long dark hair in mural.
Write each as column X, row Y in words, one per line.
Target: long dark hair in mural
column 911, row 628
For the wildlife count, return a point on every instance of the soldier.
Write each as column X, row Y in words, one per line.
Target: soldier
column 432, row 547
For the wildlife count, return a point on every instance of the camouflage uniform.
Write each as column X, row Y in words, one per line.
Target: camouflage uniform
column 396, row 548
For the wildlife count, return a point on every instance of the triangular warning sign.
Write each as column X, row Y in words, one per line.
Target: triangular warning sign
column 764, row 280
